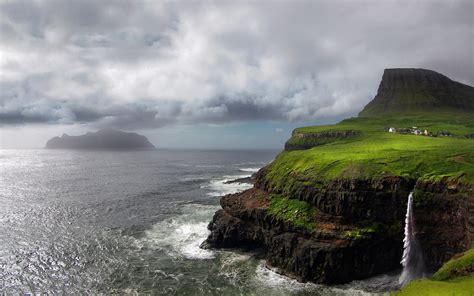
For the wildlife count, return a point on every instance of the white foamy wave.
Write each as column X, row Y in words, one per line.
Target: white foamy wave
column 267, row 277
column 182, row 235
column 250, row 170
column 220, row 188
column 232, row 265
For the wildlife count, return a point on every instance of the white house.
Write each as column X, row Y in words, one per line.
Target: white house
column 392, row 130
column 417, row 132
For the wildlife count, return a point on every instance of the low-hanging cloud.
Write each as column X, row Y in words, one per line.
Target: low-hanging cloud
column 147, row 64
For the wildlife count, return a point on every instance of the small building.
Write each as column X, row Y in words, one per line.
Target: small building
column 445, row 133
column 417, row 132
column 426, row 133
column 404, row 131
column 392, row 130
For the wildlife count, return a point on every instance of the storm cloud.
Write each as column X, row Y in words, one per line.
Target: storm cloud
column 147, row 64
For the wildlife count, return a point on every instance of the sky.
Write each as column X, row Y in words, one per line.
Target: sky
column 212, row 74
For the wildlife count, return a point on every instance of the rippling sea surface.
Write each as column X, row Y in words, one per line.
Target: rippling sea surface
column 131, row 222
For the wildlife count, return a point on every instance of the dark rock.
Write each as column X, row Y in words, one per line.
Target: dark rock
column 353, row 199
column 443, row 220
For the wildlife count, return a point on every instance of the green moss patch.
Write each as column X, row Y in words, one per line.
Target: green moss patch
column 367, row 229
column 299, row 213
column 360, row 233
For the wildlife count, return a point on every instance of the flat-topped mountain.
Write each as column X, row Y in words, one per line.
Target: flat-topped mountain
column 105, row 139
column 418, row 90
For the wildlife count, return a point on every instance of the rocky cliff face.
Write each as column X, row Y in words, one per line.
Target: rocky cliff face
column 358, row 227
column 325, row 255
column 418, row 90
column 444, row 220
column 106, row 139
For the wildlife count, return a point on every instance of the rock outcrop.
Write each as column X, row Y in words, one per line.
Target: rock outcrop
column 106, row 139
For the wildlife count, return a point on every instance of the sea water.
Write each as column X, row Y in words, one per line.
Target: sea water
column 131, row 222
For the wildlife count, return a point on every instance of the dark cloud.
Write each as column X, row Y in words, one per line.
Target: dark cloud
column 146, row 64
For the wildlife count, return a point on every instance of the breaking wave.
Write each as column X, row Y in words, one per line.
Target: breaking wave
column 250, row 170
column 220, row 187
column 180, row 236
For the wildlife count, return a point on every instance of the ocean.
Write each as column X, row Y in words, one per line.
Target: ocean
column 85, row 222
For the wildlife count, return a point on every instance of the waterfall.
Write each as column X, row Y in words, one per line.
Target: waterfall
column 412, row 259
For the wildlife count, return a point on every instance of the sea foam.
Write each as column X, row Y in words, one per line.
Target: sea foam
column 182, row 235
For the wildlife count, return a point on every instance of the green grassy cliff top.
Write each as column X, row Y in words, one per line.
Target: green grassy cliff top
column 376, row 153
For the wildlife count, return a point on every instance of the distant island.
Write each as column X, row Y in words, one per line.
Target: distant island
column 104, row 139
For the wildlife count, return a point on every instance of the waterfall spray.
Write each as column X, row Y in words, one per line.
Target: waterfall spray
column 412, row 259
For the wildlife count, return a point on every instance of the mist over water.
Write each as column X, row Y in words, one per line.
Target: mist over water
column 124, row 222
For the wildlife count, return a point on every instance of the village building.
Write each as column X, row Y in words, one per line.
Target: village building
column 444, row 133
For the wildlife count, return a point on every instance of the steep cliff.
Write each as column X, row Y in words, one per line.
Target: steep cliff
column 331, row 207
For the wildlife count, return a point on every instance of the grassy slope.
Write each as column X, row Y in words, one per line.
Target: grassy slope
column 444, row 281
column 376, row 153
